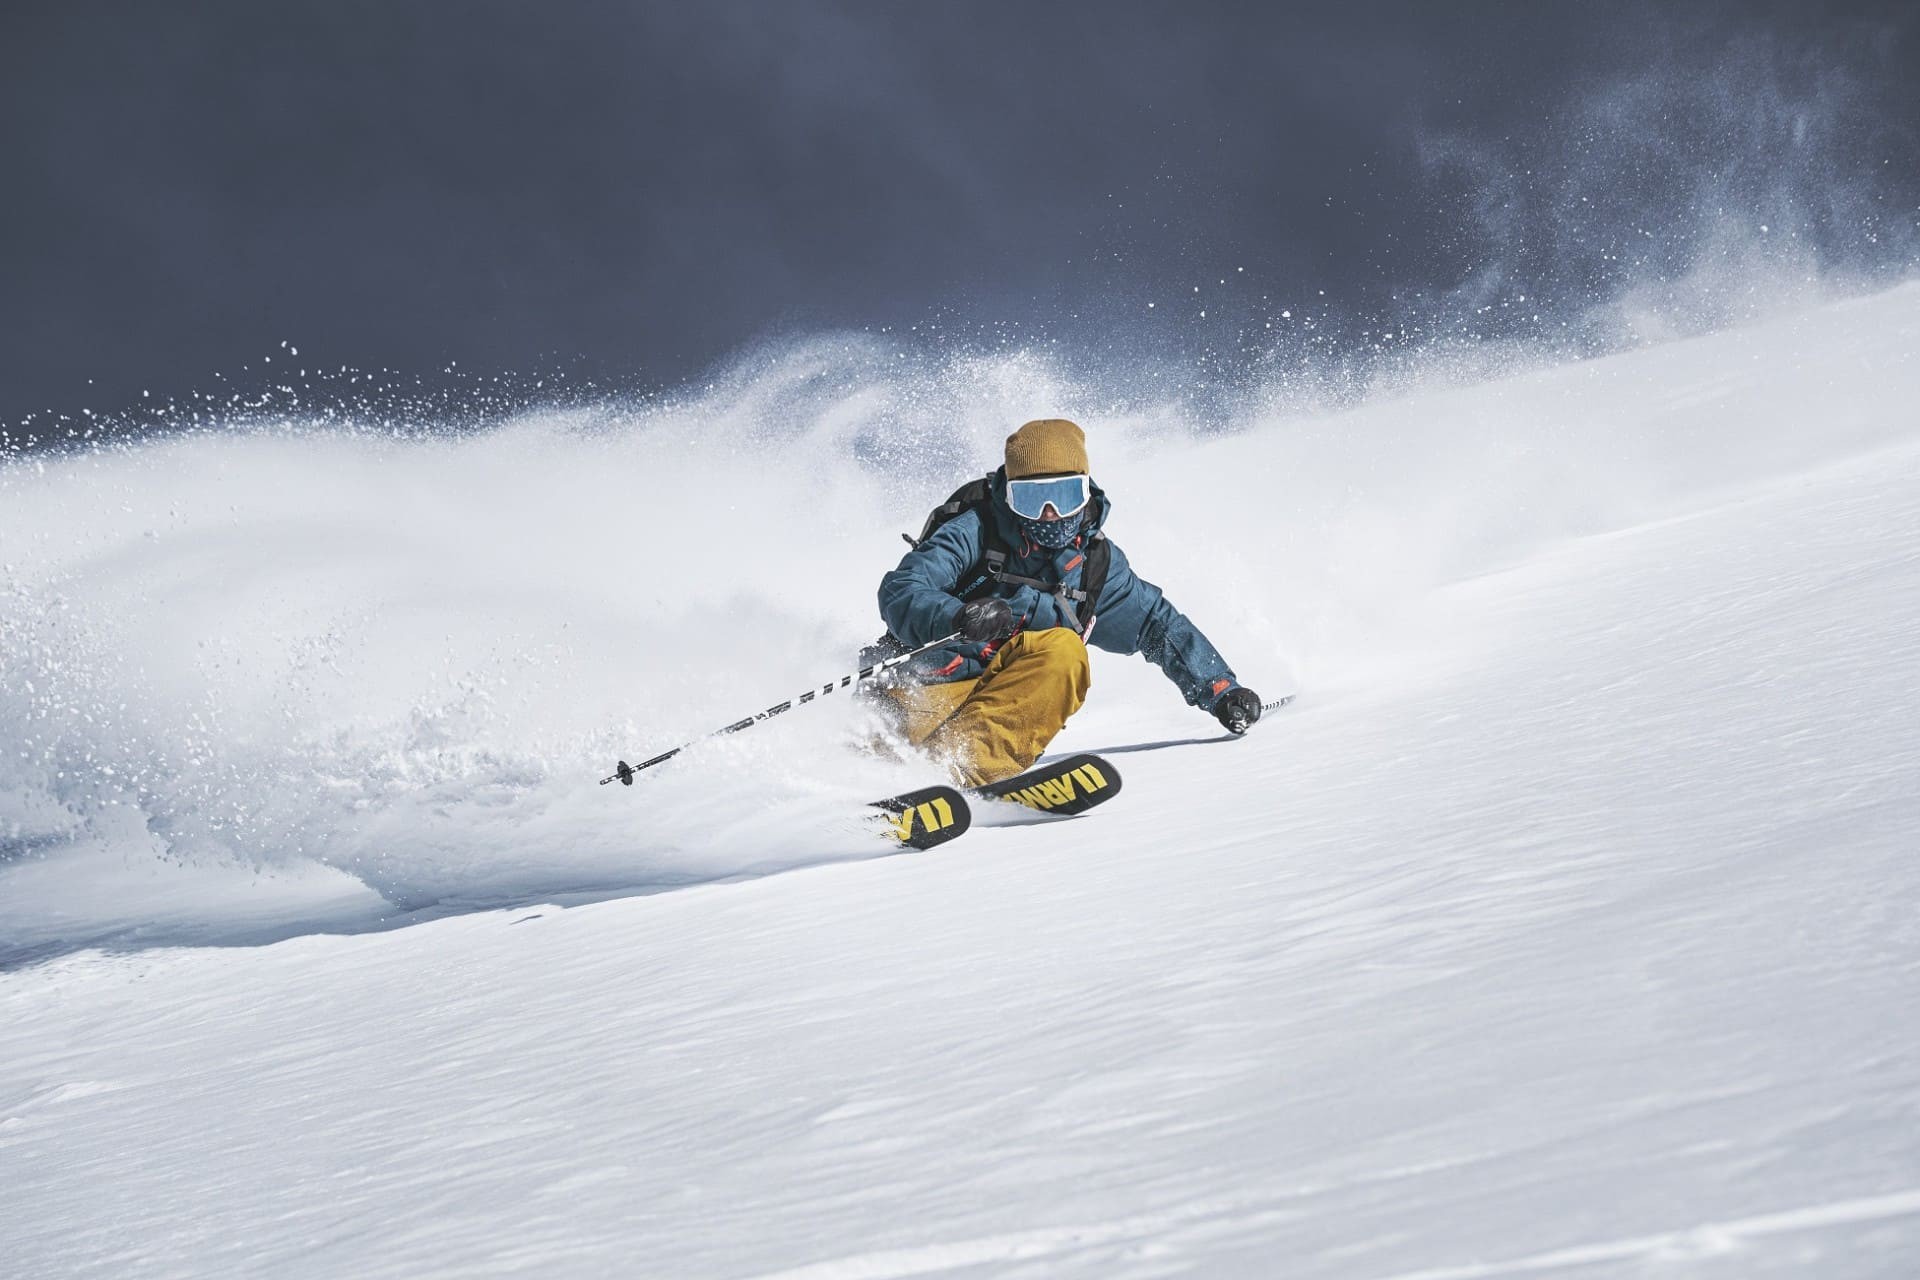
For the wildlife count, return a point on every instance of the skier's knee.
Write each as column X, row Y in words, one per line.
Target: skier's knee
column 1058, row 647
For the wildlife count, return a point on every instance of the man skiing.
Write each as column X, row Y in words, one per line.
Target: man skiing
column 1018, row 565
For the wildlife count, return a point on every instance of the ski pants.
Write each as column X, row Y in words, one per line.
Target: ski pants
column 996, row 726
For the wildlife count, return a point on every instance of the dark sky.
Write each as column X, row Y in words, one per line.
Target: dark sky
column 639, row 189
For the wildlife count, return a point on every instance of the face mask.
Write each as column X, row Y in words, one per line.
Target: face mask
column 1051, row 533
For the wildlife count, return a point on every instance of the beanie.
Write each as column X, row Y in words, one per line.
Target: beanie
column 1047, row 447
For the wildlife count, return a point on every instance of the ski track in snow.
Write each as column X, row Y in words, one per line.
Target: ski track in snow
column 1568, row 924
column 1704, row 1241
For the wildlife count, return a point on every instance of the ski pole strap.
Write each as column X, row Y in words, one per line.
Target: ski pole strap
column 624, row 772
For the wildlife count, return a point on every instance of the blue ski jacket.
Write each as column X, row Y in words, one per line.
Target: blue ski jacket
column 920, row 600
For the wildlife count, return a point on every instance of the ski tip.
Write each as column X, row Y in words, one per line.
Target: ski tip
column 925, row 818
column 1105, row 772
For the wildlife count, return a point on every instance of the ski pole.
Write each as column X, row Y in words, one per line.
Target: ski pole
column 626, row 771
column 1246, row 725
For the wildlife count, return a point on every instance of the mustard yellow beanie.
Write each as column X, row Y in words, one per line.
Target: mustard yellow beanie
column 1047, row 447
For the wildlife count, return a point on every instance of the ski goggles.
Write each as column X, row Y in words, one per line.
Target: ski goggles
column 1065, row 494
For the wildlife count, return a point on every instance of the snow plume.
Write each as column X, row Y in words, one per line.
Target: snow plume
column 297, row 674
column 297, row 677
column 1720, row 183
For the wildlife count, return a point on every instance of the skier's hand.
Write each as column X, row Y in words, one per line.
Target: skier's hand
column 986, row 619
column 1237, row 709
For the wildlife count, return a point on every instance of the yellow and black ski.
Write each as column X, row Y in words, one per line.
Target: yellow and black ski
column 925, row 818
column 932, row 816
column 1065, row 787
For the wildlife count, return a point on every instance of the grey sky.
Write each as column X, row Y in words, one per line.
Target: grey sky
column 643, row 188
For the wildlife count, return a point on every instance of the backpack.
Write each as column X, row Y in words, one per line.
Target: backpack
column 977, row 494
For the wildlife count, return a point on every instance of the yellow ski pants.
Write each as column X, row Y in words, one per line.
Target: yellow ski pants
column 996, row 726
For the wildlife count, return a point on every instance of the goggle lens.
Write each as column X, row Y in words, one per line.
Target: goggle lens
column 1065, row 494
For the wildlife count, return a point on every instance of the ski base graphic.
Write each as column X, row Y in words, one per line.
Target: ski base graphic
column 925, row 818
column 931, row 816
column 1065, row 787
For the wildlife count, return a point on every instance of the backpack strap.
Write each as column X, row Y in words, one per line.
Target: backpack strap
column 971, row 494
column 1093, row 580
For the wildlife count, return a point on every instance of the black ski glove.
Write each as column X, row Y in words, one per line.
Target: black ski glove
column 1237, row 709
column 986, row 619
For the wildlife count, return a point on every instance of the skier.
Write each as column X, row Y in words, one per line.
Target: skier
column 1017, row 564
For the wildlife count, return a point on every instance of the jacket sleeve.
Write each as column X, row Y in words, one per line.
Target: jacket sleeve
column 1134, row 616
column 916, row 599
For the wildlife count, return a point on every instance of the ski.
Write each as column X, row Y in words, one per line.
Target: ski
column 925, row 818
column 1065, row 787
column 931, row 816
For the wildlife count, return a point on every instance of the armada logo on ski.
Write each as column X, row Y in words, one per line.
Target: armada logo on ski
column 924, row 818
column 1068, row 786
column 933, row 815
column 1058, row 791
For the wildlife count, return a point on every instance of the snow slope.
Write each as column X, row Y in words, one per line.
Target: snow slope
column 1566, row 926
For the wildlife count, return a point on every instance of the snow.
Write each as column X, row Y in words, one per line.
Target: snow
column 1566, row 924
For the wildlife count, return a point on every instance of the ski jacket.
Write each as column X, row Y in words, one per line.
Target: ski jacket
column 921, row 601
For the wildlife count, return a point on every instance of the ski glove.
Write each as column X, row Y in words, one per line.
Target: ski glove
column 987, row 619
column 1237, row 709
